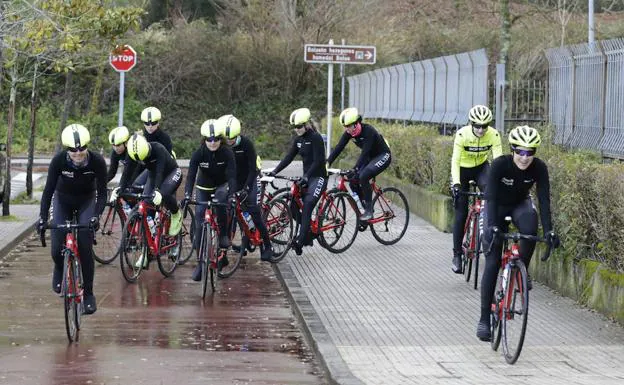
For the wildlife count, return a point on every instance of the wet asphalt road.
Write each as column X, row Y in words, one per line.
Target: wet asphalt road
column 157, row 331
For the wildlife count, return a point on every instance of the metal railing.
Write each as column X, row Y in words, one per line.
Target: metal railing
column 586, row 95
column 439, row 90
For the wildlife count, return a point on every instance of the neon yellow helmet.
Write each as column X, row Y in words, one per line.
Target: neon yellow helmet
column 75, row 136
column 151, row 115
column 212, row 128
column 525, row 136
column 300, row 116
column 119, row 135
column 138, row 147
column 231, row 126
column 349, row 116
column 480, row 115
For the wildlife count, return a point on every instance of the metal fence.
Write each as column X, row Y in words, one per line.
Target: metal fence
column 439, row 90
column 586, row 95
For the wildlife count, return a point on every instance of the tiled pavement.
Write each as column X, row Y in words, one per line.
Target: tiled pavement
column 398, row 315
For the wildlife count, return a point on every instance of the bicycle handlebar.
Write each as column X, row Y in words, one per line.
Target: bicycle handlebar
column 515, row 237
column 337, row 171
column 66, row 226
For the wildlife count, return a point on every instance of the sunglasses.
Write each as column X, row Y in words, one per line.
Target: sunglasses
column 299, row 126
column 212, row 139
column 150, row 123
column 524, row 152
column 479, row 126
column 77, row 149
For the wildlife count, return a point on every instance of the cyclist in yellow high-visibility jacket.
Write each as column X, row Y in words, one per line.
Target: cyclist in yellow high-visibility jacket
column 473, row 144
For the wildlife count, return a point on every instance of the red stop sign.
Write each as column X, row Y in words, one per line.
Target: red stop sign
column 124, row 59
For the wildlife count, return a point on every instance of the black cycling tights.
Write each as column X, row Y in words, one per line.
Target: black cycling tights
column 524, row 217
column 479, row 175
column 362, row 186
column 63, row 206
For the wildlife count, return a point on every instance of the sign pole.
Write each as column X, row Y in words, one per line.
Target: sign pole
column 122, row 83
column 330, row 101
column 342, row 83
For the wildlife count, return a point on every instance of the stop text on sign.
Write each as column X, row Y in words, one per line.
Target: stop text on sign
column 123, row 59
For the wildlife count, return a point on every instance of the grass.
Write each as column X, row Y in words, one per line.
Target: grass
column 9, row 218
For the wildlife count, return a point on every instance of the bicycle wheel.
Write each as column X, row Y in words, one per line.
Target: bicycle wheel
column 279, row 223
column 468, row 253
column 70, row 291
column 168, row 260
column 338, row 222
column 280, row 193
column 205, row 250
column 109, row 239
column 390, row 216
column 234, row 255
column 495, row 315
column 188, row 232
column 477, row 250
column 133, row 247
column 516, row 312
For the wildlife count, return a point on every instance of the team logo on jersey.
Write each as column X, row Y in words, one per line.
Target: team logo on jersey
column 507, row 181
column 220, row 163
column 530, row 180
column 204, row 164
column 477, row 148
column 68, row 174
column 298, row 145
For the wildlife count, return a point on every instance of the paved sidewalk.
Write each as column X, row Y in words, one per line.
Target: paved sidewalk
column 398, row 315
column 12, row 232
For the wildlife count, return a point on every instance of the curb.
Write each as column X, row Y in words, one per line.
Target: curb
column 23, row 232
column 337, row 370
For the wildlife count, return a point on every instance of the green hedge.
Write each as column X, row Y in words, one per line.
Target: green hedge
column 587, row 195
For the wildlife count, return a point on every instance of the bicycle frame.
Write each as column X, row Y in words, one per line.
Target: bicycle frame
column 153, row 241
column 295, row 194
column 387, row 212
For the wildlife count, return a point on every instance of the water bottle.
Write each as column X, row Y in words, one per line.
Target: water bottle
column 151, row 224
column 356, row 197
column 126, row 208
column 249, row 221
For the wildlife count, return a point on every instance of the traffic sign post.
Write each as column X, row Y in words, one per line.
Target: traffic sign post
column 337, row 54
column 122, row 59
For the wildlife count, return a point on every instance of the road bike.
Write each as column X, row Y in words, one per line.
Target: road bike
column 473, row 231
column 72, row 285
column 140, row 243
column 510, row 305
column 334, row 219
column 390, row 208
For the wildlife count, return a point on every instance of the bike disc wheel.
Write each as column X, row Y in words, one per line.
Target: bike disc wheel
column 188, row 233
column 516, row 312
column 109, row 236
column 279, row 223
column 390, row 216
column 70, row 304
column 133, row 246
column 338, row 222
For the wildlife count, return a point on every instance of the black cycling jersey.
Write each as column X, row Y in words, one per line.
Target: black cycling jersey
column 509, row 186
column 246, row 170
column 312, row 149
column 159, row 163
column 66, row 178
column 370, row 141
column 159, row 136
column 115, row 159
column 215, row 168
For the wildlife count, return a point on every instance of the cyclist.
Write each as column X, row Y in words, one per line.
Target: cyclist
column 509, row 182
column 151, row 128
column 374, row 158
column 118, row 138
column 151, row 117
column 76, row 182
column 308, row 144
column 163, row 178
column 247, row 177
column 473, row 144
column 214, row 167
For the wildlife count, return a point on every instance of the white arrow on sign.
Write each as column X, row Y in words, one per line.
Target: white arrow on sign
column 368, row 54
